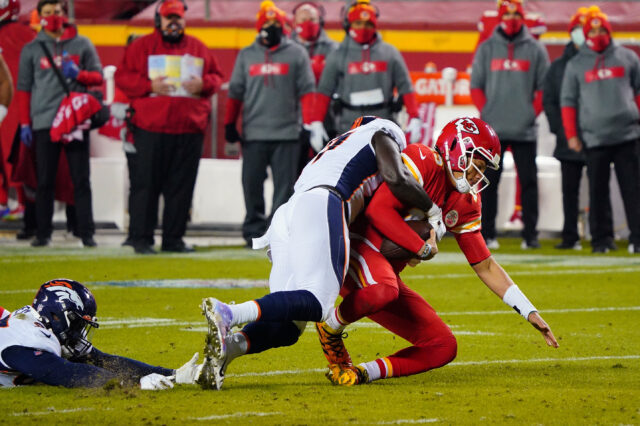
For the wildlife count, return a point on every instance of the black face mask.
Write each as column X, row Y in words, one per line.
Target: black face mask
column 173, row 33
column 271, row 36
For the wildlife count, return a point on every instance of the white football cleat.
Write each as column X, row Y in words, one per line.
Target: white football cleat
column 218, row 317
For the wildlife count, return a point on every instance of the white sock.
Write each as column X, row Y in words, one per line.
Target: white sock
column 373, row 369
column 335, row 321
column 244, row 312
column 237, row 345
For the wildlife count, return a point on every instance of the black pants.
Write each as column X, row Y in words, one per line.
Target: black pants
column 283, row 157
column 132, row 164
column 524, row 156
column 627, row 165
column 166, row 164
column 47, row 157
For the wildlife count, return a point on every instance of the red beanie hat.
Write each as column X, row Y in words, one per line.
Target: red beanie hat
column 595, row 20
column 267, row 12
column 363, row 11
column 505, row 6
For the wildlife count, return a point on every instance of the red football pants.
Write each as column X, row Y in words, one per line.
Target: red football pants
column 374, row 289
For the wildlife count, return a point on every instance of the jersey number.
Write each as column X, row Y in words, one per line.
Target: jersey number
column 333, row 144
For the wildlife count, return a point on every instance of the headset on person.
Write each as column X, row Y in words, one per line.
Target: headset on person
column 317, row 6
column 345, row 12
column 156, row 16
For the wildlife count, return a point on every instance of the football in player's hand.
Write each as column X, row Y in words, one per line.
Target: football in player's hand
column 392, row 251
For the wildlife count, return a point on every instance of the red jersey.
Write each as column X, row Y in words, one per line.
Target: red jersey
column 461, row 212
column 165, row 114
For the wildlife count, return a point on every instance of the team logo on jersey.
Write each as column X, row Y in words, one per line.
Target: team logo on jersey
column 468, row 126
column 367, row 67
column 270, row 68
column 510, row 65
column 603, row 74
column 451, row 218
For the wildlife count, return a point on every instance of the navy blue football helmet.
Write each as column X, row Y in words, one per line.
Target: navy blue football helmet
column 361, row 121
column 69, row 309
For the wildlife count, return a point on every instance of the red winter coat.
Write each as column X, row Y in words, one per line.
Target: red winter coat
column 165, row 114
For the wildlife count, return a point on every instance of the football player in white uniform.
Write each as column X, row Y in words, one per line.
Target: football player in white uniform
column 49, row 342
column 309, row 242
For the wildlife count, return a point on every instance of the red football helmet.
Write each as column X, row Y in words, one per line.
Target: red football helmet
column 463, row 139
column 9, row 10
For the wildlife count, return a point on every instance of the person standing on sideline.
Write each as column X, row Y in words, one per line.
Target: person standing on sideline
column 364, row 72
column 308, row 21
column 40, row 94
column 506, row 86
column 600, row 103
column 571, row 162
column 169, row 119
column 273, row 85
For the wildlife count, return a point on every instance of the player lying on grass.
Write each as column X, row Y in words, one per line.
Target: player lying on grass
column 49, row 342
column 309, row 239
column 373, row 287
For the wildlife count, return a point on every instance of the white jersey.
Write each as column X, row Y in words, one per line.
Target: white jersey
column 348, row 164
column 23, row 328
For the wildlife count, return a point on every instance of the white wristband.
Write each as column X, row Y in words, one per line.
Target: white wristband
column 3, row 112
column 518, row 301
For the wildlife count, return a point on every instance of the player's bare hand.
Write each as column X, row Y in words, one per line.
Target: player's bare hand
column 536, row 320
column 161, row 87
column 193, row 85
column 575, row 144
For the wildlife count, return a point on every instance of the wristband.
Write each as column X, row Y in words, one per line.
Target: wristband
column 3, row 112
column 433, row 211
column 518, row 301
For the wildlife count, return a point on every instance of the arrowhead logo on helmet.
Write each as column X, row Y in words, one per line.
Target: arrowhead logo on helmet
column 463, row 140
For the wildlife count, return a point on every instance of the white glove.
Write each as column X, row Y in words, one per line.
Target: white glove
column 414, row 129
column 434, row 215
column 189, row 373
column 318, row 135
column 3, row 112
column 155, row 381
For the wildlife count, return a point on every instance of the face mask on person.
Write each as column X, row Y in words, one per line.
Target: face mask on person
column 577, row 36
column 173, row 33
column 362, row 35
column 271, row 36
column 511, row 26
column 308, row 30
column 52, row 23
column 599, row 42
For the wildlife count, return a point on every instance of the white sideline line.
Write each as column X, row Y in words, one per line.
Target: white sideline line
column 409, row 421
column 454, row 364
column 232, row 415
column 18, row 291
column 50, row 411
column 368, row 325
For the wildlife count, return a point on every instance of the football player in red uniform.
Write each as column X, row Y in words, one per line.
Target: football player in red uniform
column 453, row 175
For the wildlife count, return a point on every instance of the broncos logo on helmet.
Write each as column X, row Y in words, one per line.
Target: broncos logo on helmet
column 68, row 308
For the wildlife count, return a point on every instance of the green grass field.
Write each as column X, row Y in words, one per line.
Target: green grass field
column 504, row 373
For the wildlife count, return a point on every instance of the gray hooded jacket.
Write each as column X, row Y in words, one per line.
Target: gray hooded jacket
column 509, row 74
column 355, row 68
column 602, row 88
column 36, row 76
column 270, row 82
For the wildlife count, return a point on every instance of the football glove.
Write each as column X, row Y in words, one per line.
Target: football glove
column 189, row 372
column 26, row 135
column 434, row 215
column 414, row 130
column 318, row 135
column 155, row 381
column 3, row 112
column 69, row 68
column 231, row 133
